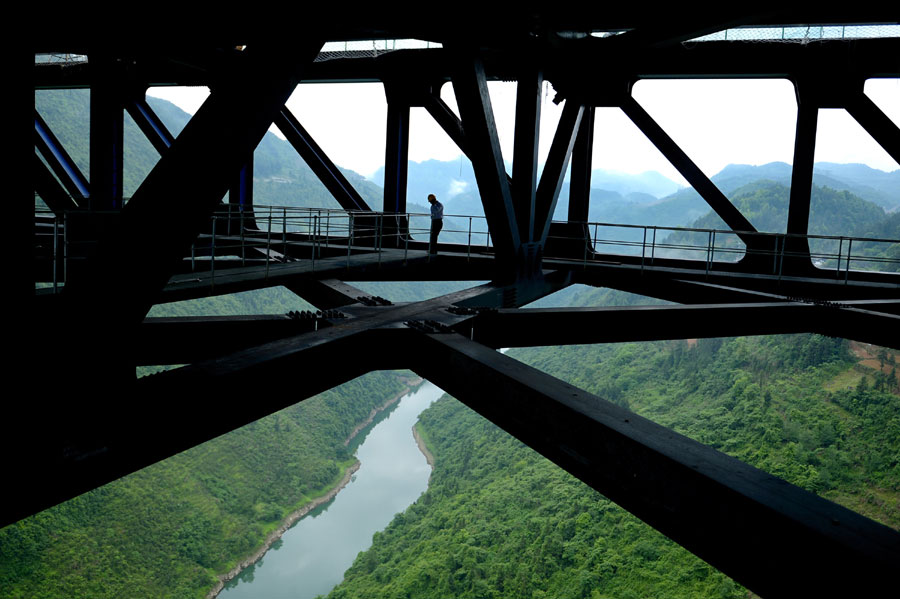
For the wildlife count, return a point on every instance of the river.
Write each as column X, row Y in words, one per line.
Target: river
column 311, row 557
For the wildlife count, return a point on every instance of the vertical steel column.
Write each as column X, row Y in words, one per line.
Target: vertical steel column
column 582, row 154
column 240, row 196
column 107, row 127
column 525, row 153
column 396, row 149
column 797, row 248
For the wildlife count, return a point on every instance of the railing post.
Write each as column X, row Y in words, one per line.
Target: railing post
column 712, row 255
column 315, row 222
column 212, row 263
column 269, row 244
column 65, row 247
column 644, row 250
column 349, row 239
column 469, row 242
column 55, row 251
column 379, row 236
column 781, row 259
column 284, row 233
column 849, row 253
column 775, row 255
column 594, row 245
column 837, row 272
column 243, row 253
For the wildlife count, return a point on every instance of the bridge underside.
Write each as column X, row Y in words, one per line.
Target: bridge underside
column 91, row 421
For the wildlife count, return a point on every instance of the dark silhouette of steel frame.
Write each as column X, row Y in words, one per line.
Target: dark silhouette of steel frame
column 98, row 423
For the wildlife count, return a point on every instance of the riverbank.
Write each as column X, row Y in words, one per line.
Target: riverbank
column 411, row 384
column 282, row 528
column 423, row 448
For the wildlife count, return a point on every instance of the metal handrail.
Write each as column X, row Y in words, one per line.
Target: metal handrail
column 271, row 228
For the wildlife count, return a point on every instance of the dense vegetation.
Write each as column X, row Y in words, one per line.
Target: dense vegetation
column 500, row 521
column 165, row 531
column 497, row 520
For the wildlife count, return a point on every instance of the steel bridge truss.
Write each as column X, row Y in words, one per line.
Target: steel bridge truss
column 98, row 423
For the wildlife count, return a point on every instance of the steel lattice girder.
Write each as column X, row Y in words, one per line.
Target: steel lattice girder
column 774, row 538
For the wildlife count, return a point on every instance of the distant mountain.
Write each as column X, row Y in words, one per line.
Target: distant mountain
column 868, row 183
column 644, row 187
column 871, row 184
column 281, row 177
column 832, row 212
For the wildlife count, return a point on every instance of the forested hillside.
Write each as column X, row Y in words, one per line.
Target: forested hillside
column 500, row 521
column 167, row 530
column 497, row 520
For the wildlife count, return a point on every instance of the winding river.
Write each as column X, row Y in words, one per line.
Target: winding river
column 311, row 557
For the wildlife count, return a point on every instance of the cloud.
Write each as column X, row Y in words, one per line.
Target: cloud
column 456, row 187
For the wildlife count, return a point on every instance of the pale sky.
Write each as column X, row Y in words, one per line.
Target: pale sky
column 716, row 122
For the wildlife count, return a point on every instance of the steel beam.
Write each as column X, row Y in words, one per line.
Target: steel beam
column 396, row 151
column 776, row 539
column 582, row 153
column 49, row 188
column 576, row 326
column 327, row 172
column 185, row 340
column 328, row 294
column 473, row 98
column 665, row 33
column 525, row 154
column 555, row 167
column 134, row 261
column 448, row 121
column 150, row 125
column 241, row 192
column 107, row 124
column 699, row 181
column 801, row 180
column 876, row 123
column 60, row 162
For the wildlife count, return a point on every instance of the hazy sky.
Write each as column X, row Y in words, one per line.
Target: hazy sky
column 716, row 122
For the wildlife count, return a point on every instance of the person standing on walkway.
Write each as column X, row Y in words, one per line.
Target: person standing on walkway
column 437, row 222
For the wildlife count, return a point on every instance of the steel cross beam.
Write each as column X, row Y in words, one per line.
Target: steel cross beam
column 136, row 259
column 876, row 123
column 150, row 124
column 49, row 188
column 555, row 167
column 470, row 86
column 59, row 160
column 690, row 171
column 327, row 172
column 575, row 326
column 773, row 537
